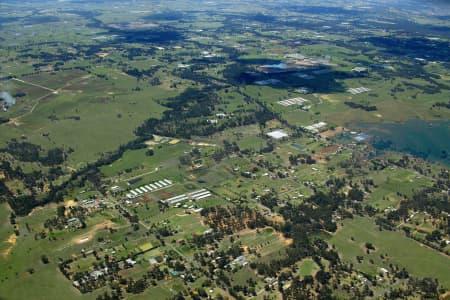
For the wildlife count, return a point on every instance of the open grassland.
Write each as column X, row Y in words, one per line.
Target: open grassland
column 246, row 137
column 268, row 243
column 46, row 282
column 419, row 261
column 392, row 181
column 187, row 225
column 135, row 162
column 88, row 114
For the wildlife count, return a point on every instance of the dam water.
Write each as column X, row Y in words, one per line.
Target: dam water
column 429, row 140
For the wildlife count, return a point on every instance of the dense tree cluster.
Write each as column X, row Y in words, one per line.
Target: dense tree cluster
column 187, row 116
column 25, row 151
column 442, row 104
column 301, row 158
column 361, row 106
column 227, row 220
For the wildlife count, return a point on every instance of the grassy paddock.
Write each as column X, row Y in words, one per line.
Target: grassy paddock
column 418, row 260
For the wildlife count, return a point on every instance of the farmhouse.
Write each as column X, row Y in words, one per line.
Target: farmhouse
column 359, row 70
column 241, row 261
column 277, row 134
column 384, row 271
column 88, row 202
column 315, row 127
column 98, row 273
column 156, row 260
column 130, row 262
column 73, row 223
column 295, row 56
column 209, row 231
column 115, row 189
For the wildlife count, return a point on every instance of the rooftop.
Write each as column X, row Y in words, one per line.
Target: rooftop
column 278, row 134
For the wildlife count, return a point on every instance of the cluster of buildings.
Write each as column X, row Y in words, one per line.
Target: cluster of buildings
column 355, row 91
column 197, row 195
column 94, row 275
column 149, row 188
column 278, row 134
column 88, row 202
column 360, row 70
column 292, row 101
column 207, row 54
column 239, row 261
column 315, row 128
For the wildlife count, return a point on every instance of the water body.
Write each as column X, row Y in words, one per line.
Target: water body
column 281, row 66
column 298, row 147
column 424, row 139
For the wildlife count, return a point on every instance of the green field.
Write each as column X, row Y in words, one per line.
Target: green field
column 135, row 162
column 47, row 282
column 420, row 261
column 107, row 113
column 390, row 182
column 307, row 267
column 110, row 96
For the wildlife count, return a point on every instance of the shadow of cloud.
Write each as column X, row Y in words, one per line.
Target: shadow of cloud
column 159, row 36
column 413, row 47
column 316, row 80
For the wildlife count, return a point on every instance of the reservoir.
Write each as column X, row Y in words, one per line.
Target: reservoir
column 425, row 139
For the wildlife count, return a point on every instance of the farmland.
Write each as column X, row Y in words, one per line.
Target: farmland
column 397, row 249
column 224, row 150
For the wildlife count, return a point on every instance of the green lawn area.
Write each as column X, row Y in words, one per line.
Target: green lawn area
column 187, row 225
column 244, row 274
column 418, row 260
column 307, row 267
